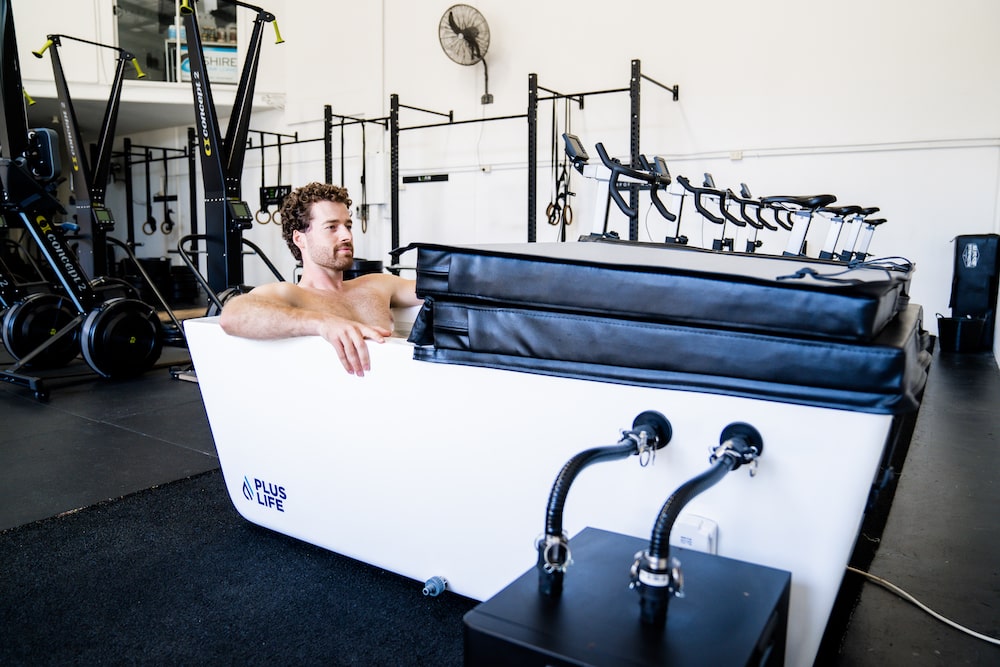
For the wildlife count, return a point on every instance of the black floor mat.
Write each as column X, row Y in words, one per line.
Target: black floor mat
column 174, row 575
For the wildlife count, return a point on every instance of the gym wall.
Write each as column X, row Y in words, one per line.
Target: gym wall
column 881, row 104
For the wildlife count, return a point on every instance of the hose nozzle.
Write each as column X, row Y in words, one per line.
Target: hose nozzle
column 435, row 586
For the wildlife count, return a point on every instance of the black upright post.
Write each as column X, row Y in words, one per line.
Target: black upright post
column 14, row 121
column 328, row 143
column 224, row 268
column 226, row 214
column 394, row 167
column 634, row 148
column 129, row 196
column 192, row 150
column 532, row 155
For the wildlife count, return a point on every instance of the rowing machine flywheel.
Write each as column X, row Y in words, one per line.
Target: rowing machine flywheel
column 121, row 338
column 31, row 322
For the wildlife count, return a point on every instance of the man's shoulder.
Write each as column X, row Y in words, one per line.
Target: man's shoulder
column 281, row 292
column 281, row 288
column 388, row 280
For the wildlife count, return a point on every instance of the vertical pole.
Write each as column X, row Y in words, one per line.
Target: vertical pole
column 532, row 155
column 327, row 144
column 129, row 196
column 192, row 150
column 394, row 167
column 633, row 191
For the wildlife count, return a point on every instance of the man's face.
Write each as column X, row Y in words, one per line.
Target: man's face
column 328, row 241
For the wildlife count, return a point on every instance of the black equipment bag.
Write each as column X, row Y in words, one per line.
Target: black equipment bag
column 974, row 281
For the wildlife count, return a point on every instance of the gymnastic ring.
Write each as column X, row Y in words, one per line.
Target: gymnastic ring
column 276, row 218
column 264, row 212
column 149, row 227
column 568, row 215
column 551, row 214
column 167, row 226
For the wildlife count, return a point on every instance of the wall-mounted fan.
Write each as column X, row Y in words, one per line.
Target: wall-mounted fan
column 465, row 38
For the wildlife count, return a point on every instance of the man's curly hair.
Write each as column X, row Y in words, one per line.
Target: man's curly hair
column 295, row 209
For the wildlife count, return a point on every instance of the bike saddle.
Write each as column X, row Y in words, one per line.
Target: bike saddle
column 802, row 203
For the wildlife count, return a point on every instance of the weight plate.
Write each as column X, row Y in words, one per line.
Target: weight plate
column 121, row 338
column 30, row 322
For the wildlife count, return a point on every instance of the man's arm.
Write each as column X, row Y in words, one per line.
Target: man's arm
column 279, row 310
column 404, row 293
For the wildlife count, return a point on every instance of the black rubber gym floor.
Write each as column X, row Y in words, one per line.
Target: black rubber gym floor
column 97, row 440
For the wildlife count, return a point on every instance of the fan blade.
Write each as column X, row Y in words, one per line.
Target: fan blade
column 454, row 26
column 474, row 48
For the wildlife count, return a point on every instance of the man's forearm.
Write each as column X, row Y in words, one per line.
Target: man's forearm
column 249, row 317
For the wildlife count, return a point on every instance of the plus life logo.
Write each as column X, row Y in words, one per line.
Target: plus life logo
column 266, row 494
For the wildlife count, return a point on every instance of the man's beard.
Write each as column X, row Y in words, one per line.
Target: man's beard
column 340, row 261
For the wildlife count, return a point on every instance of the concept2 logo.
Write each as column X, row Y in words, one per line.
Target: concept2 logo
column 206, row 142
column 264, row 493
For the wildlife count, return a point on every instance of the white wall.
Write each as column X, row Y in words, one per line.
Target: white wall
column 883, row 104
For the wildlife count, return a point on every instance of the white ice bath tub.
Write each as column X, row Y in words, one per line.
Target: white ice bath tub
column 432, row 469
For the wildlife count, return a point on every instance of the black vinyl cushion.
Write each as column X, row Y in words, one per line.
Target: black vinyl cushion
column 778, row 328
column 886, row 375
column 788, row 296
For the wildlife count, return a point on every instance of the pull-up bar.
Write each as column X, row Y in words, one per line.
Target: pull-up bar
column 634, row 123
column 395, row 129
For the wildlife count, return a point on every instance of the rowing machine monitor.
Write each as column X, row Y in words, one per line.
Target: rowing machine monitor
column 103, row 217
column 239, row 214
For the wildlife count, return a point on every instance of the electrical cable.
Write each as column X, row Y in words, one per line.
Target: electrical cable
column 645, row 221
column 909, row 598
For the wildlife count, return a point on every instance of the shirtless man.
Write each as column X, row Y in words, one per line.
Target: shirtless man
column 316, row 225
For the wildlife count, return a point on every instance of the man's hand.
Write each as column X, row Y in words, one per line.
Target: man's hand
column 348, row 339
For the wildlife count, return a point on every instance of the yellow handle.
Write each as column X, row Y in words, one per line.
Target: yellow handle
column 39, row 52
column 186, row 7
column 277, row 33
column 138, row 71
column 27, row 97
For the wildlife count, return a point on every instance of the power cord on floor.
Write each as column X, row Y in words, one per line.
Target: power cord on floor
column 909, row 598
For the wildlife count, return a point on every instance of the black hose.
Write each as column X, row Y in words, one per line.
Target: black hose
column 649, row 428
column 573, row 467
column 655, row 574
column 659, row 543
column 553, row 548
